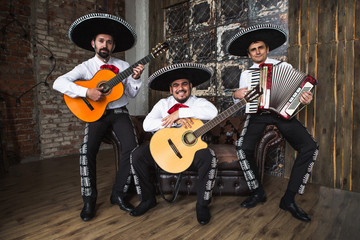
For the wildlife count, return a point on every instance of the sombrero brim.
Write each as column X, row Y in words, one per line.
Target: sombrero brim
column 272, row 35
column 84, row 29
column 195, row 73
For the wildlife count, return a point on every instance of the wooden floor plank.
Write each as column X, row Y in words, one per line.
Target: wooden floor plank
column 41, row 200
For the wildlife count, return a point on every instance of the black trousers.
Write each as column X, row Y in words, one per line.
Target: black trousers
column 143, row 166
column 94, row 133
column 297, row 136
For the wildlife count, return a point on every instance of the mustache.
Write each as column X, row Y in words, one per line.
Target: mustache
column 107, row 50
column 177, row 92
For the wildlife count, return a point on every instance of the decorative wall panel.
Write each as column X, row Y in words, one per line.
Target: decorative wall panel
column 199, row 30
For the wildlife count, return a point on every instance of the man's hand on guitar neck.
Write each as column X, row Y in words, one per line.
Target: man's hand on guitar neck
column 95, row 94
column 174, row 118
column 137, row 71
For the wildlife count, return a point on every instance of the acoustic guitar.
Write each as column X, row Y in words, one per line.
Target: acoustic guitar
column 173, row 149
column 90, row 111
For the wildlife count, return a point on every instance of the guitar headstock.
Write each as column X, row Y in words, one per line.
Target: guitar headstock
column 253, row 94
column 159, row 49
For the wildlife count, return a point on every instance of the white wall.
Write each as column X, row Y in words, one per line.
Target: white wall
column 137, row 14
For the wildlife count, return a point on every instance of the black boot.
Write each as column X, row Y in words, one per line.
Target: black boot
column 256, row 197
column 202, row 214
column 143, row 207
column 295, row 210
column 122, row 202
column 88, row 211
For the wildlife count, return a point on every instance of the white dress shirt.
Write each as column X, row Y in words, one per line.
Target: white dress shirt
column 86, row 71
column 198, row 108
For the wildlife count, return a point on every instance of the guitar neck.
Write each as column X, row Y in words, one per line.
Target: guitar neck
column 127, row 72
column 219, row 118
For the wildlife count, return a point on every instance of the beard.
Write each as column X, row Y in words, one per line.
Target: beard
column 103, row 54
column 183, row 100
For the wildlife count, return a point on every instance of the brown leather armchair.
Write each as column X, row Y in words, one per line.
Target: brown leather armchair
column 230, row 179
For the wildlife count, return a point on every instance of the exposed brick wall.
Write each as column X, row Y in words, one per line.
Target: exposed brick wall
column 35, row 42
column 18, row 120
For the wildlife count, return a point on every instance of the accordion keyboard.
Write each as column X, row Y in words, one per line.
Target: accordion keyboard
column 252, row 107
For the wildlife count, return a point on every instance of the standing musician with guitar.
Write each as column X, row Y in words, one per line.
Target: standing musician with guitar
column 256, row 42
column 179, row 111
column 104, row 34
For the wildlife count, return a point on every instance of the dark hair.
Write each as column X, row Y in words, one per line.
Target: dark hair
column 266, row 45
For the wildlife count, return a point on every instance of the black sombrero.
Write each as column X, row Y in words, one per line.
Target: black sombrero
column 194, row 72
column 273, row 35
column 84, row 29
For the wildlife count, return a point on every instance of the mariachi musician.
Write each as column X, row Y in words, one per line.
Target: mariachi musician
column 177, row 110
column 104, row 34
column 256, row 42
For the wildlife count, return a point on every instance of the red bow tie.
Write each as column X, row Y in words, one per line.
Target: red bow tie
column 265, row 64
column 110, row 67
column 176, row 107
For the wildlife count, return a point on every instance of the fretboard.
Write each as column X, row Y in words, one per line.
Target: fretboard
column 127, row 72
column 219, row 118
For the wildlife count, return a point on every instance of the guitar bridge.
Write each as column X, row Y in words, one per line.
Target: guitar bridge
column 173, row 147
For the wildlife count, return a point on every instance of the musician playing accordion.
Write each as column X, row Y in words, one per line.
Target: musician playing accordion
column 256, row 42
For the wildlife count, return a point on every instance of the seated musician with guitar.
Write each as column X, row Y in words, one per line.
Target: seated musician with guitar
column 256, row 42
column 171, row 118
column 104, row 34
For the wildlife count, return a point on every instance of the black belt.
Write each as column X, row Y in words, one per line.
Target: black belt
column 116, row 110
column 265, row 112
column 268, row 113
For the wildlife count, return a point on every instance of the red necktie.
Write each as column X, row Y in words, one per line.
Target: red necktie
column 176, row 107
column 110, row 67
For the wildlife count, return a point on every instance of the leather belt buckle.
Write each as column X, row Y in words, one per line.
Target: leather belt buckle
column 120, row 110
column 265, row 112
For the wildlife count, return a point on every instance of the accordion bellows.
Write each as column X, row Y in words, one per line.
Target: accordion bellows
column 281, row 86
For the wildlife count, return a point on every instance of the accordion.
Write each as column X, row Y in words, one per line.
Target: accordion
column 281, row 86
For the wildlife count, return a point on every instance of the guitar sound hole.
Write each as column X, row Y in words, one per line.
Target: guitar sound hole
column 105, row 87
column 189, row 138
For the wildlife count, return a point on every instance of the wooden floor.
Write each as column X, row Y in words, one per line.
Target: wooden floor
column 41, row 200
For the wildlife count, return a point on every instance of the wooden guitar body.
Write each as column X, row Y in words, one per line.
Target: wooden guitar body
column 173, row 149
column 81, row 110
